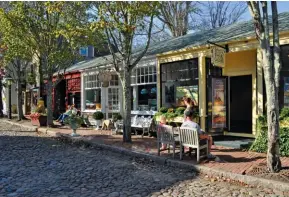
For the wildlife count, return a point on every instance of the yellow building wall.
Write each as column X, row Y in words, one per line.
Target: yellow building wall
column 244, row 63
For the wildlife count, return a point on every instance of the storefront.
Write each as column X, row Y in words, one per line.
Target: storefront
column 231, row 96
column 107, row 98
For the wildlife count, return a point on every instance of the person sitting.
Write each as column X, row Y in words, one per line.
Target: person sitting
column 189, row 123
column 62, row 117
column 163, row 121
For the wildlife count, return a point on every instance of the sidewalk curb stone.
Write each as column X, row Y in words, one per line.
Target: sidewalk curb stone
column 251, row 180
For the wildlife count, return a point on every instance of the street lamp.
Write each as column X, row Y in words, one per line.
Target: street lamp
column 9, row 81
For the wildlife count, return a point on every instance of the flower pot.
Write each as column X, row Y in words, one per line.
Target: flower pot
column 38, row 120
column 97, row 124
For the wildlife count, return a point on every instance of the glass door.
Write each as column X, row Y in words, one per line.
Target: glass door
column 112, row 102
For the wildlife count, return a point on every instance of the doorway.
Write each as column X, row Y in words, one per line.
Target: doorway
column 240, row 109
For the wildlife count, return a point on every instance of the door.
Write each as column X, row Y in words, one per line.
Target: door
column 112, row 102
column 240, row 108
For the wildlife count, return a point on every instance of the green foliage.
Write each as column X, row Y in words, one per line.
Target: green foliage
column 261, row 142
column 180, row 111
column 31, row 78
column 171, row 110
column 170, row 115
column 157, row 115
column 163, row 110
column 98, row 115
column 116, row 117
column 74, row 121
column 284, row 113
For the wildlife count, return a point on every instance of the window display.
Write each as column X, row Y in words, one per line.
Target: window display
column 93, row 99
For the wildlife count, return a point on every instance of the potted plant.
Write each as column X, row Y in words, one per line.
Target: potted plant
column 116, row 121
column 39, row 116
column 74, row 121
column 98, row 116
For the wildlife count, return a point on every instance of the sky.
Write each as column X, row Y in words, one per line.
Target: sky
column 282, row 6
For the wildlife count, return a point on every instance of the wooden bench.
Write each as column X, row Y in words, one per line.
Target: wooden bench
column 165, row 135
column 141, row 123
column 189, row 137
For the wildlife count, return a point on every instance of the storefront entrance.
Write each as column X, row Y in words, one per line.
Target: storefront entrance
column 240, row 104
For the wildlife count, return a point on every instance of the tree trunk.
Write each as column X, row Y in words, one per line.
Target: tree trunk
column 19, row 99
column 1, row 99
column 49, row 102
column 273, row 154
column 125, row 80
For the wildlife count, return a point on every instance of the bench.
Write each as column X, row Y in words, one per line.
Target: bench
column 189, row 137
column 141, row 123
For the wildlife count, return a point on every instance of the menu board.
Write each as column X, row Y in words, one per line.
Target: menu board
column 219, row 119
column 286, row 91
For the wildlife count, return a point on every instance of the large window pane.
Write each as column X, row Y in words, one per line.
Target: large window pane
column 147, row 97
column 93, row 99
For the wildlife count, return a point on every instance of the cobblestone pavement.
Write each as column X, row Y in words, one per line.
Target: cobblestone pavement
column 32, row 165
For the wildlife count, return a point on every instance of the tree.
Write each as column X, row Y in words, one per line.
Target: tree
column 176, row 15
column 271, row 67
column 214, row 14
column 17, row 55
column 54, row 31
column 121, row 21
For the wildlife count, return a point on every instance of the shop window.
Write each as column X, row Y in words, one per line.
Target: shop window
column 144, row 75
column 93, row 99
column 147, row 97
column 114, row 80
column 179, row 79
column 90, row 81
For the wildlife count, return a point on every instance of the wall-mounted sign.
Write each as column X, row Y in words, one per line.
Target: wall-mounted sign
column 219, row 118
column 83, row 51
column 218, row 56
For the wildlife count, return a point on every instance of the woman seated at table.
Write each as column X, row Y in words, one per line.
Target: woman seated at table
column 62, row 117
column 189, row 123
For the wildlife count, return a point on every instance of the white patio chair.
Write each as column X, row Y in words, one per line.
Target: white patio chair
column 165, row 135
column 189, row 137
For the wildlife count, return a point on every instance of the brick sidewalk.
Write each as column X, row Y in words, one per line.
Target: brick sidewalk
column 230, row 160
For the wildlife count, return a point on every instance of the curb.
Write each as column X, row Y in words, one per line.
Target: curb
column 24, row 127
column 250, row 180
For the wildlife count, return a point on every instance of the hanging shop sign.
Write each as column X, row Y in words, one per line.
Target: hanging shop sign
column 219, row 116
column 218, row 56
column 104, row 77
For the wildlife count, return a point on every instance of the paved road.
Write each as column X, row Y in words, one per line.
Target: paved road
column 32, row 165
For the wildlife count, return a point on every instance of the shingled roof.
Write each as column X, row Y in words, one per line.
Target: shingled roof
column 236, row 31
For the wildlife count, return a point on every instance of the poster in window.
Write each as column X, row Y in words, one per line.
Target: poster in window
column 286, row 91
column 186, row 91
column 219, row 119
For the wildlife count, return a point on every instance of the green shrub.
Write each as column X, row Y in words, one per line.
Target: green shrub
column 163, row 110
column 170, row 115
column 157, row 114
column 180, row 110
column 284, row 113
column 117, row 117
column 98, row 115
column 261, row 142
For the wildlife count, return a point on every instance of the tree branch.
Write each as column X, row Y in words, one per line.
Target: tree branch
column 146, row 47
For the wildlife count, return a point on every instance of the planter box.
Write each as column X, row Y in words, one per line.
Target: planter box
column 39, row 121
column 179, row 119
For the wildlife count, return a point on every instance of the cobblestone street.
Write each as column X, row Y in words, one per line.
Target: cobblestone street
column 33, row 165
